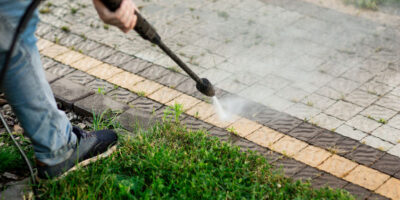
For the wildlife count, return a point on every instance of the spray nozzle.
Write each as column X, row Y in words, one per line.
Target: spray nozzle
column 205, row 87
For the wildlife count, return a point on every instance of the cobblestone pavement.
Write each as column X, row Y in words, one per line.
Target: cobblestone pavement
column 330, row 68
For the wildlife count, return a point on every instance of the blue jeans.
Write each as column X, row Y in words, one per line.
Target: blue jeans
column 28, row 92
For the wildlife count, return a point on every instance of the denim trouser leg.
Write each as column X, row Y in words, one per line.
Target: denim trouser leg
column 28, row 92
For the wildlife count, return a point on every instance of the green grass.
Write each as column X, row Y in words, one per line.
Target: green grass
column 10, row 158
column 369, row 4
column 170, row 162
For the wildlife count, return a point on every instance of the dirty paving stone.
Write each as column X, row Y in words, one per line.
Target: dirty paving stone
column 80, row 77
column 365, row 155
column 289, row 166
column 122, row 95
column 136, row 65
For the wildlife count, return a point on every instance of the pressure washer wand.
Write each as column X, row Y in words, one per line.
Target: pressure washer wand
column 148, row 32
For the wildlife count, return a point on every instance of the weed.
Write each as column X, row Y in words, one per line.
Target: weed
column 74, row 10
column 196, row 115
column 223, row 15
column 101, row 91
column 367, row 4
column 115, row 87
column 65, row 29
column 84, row 37
column 231, row 130
column 309, row 103
column 57, row 40
column 174, row 69
column 383, row 121
column 107, row 119
column 370, row 117
column 80, row 51
column 141, row 93
column 192, row 9
column 44, row 10
column 106, row 26
column 178, row 110
column 49, row 4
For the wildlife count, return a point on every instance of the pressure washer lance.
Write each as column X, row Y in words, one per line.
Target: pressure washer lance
column 148, row 32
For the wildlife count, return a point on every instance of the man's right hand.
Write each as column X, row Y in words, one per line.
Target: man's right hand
column 124, row 17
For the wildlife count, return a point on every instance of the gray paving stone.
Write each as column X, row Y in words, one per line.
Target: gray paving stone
column 101, row 52
column 330, row 93
column 378, row 112
column 80, row 77
column 389, row 77
column 60, row 69
column 71, row 40
column 390, row 101
column 97, row 104
column 395, row 150
column 135, row 118
column 376, row 88
column 277, row 103
column 231, row 85
column 343, row 85
column 154, row 72
column 302, row 111
column 388, row 134
column 257, row 92
column 359, row 75
column 122, row 95
column 326, row 121
column 17, row 190
column 361, row 98
column 274, row 82
column 69, row 92
column 172, row 79
column 318, row 101
column 363, row 123
column 377, row 143
column 215, row 75
column 292, row 94
column 118, row 59
column 100, row 85
column 351, row 132
column 87, row 46
column 47, row 62
column 343, row 110
column 51, row 77
column 135, row 66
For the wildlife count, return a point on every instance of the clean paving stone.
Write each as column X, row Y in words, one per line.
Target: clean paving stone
column 326, row 121
column 395, row 121
column 361, row 98
column 390, row 101
column 377, row 143
column 395, row 150
column 387, row 133
column 318, row 101
column 390, row 189
column 80, row 77
column 363, row 123
column 388, row 164
column 337, row 166
column 366, row 177
column 351, row 132
column 343, row 110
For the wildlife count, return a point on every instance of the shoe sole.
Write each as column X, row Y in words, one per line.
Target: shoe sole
column 86, row 162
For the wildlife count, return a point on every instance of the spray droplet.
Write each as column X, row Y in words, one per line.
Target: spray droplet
column 220, row 111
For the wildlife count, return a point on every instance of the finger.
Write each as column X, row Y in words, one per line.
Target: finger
column 133, row 22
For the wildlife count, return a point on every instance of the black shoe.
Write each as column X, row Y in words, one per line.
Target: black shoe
column 90, row 147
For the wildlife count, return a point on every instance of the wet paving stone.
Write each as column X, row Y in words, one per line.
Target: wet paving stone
column 134, row 118
column 387, row 164
column 247, row 145
column 305, row 131
column 222, row 134
column 69, row 92
column 98, row 103
column 153, row 72
column 80, row 77
column 308, row 173
column 122, row 95
column 100, row 86
column 328, row 180
column 345, row 145
column 365, row 155
column 289, row 166
column 265, row 115
column 357, row 191
column 284, row 123
column 60, row 69
column 172, row 79
column 195, row 124
column 136, row 65
column 145, row 104
column 101, row 52
column 118, row 59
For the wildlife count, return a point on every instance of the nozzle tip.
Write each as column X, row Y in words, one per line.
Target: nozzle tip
column 206, row 87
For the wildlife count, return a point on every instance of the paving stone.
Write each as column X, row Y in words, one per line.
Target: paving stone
column 376, row 88
column 358, row 192
column 343, row 85
column 216, row 120
column 153, row 72
column 351, row 132
column 149, row 54
column 17, row 190
column 378, row 112
column 101, row 52
column 366, row 177
column 318, row 101
column 69, row 92
column 344, row 146
column 363, row 123
column 305, row 131
column 257, row 93
column 361, row 98
column 312, row 156
column 395, row 150
column 265, row 137
column 244, row 127
column 289, row 166
column 51, row 77
column 222, row 134
column 136, row 65
column 390, row 101
column 264, row 115
column 189, row 87
column 288, row 146
column 387, row 164
column 98, row 103
column 390, row 189
column 79, row 77
column 125, row 79
column 186, row 101
column 43, row 44
column 60, row 69
column 330, row 93
column 100, row 85
column 365, row 155
column 146, row 104
column 118, row 59
column 86, row 63
column 47, row 62
column 377, row 197
column 71, row 40
column 326, row 121
column 164, row 95
column 388, row 134
column 231, row 85
column 292, row 93
column 343, row 110
column 122, row 95
column 307, row 174
column 395, row 122
column 302, row 111
column 54, row 50
column 195, row 124
column 326, row 140
column 337, row 166
column 135, row 118
column 389, row 77
column 377, row 143
column 327, row 180
column 104, row 71
column 202, row 110
column 359, row 75
column 275, row 82
column 215, row 75
column 172, row 79
column 87, row 46
column 147, row 87
column 69, row 57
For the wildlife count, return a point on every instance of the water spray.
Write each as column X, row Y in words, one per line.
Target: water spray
column 148, row 32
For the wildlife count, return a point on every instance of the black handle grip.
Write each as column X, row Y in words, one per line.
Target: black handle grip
column 142, row 27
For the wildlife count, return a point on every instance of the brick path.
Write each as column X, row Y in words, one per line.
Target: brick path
column 336, row 70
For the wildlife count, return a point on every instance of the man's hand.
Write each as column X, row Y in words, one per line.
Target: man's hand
column 124, row 17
